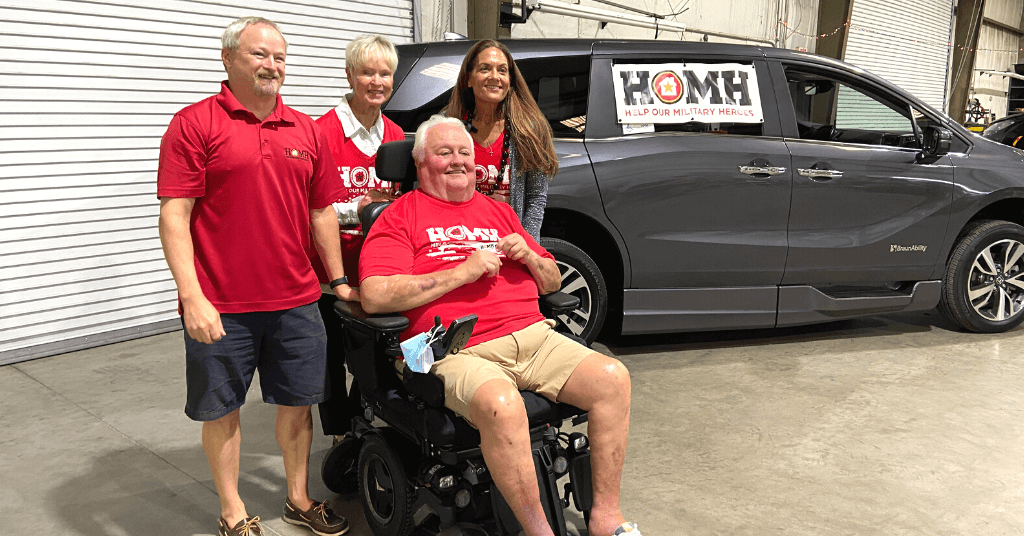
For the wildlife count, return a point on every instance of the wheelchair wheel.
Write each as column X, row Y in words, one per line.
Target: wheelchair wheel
column 384, row 488
column 339, row 466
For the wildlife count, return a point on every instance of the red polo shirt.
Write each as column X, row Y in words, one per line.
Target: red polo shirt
column 254, row 183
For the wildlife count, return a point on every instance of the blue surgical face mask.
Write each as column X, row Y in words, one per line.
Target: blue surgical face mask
column 418, row 355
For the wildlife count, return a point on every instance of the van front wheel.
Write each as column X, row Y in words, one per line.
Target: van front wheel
column 983, row 288
column 582, row 278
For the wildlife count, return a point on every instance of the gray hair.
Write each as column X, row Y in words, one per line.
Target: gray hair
column 362, row 48
column 435, row 120
column 229, row 39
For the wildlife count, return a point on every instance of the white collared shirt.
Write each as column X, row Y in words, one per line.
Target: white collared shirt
column 367, row 141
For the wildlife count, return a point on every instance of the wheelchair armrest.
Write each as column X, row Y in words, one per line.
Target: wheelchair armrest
column 558, row 303
column 369, row 340
column 384, row 323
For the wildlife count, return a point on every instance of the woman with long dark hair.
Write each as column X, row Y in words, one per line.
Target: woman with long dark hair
column 515, row 157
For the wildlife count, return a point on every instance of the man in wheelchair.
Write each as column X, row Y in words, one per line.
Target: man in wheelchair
column 446, row 250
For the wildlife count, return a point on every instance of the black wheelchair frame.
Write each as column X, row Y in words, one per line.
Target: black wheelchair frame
column 423, row 468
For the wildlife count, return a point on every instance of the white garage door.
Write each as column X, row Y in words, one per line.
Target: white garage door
column 89, row 88
column 905, row 43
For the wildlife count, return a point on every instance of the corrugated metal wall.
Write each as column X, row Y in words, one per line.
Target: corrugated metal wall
column 88, row 89
column 997, row 51
column 903, row 42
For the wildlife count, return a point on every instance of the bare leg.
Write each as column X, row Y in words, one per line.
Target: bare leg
column 600, row 385
column 294, row 431
column 498, row 412
column 222, row 439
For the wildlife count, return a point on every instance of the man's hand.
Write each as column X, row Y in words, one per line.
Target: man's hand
column 346, row 293
column 372, row 196
column 545, row 271
column 202, row 321
column 480, row 263
column 514, row 247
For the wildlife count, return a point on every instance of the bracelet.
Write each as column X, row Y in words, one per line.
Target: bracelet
column 343, row 280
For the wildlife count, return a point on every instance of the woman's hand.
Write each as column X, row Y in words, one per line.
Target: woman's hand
column 373, row 196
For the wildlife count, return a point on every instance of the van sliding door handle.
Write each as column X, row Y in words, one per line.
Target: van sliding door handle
column 762, row 170
column 824, row 174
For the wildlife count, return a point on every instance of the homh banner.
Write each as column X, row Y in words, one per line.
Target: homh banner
column 687, row 92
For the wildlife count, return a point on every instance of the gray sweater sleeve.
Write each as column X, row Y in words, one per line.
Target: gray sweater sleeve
column 528, row 195
column 534, row 200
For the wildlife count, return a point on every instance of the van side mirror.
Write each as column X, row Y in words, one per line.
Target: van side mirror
column 935, row 144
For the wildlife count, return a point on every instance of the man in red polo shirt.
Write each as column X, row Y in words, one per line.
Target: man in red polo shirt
column 243, row 181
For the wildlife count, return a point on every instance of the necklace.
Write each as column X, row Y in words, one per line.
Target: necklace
column 504, row 144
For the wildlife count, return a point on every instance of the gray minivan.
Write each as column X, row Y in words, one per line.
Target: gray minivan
column 842, row 196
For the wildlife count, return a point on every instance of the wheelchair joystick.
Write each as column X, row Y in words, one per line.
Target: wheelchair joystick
column 454, row 338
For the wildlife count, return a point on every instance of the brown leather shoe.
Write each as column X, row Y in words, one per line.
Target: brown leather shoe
column 319, row 518
column 249, row 526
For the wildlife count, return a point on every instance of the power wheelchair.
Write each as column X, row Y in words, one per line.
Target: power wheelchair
column 423, row 469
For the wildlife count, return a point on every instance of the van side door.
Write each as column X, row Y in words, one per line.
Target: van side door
column 865, row 212
column 701, row 205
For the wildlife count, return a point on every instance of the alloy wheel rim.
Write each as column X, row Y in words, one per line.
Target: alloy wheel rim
column 995, row 285
column 575, row 284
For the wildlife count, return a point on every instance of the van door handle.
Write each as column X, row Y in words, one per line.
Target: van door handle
column 762, row 170
column 820, row 174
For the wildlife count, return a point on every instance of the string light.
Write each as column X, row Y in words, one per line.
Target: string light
column 883, row 34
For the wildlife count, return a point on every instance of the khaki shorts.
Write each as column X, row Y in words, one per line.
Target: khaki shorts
column 535, row 358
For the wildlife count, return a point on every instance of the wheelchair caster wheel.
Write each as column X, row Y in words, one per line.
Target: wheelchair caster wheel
column 338, row 470
column 384, row 489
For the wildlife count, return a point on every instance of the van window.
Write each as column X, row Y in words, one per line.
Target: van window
column 828, row 109
column 560, row 86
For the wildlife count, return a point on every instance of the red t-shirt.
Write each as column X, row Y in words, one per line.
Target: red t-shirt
column 357, row 175
column 254, row 184
column 488, row 161
column 419, row 234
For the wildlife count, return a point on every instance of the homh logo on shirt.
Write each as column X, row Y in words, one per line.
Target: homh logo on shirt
column 297, row 154
column 458, row 242
column 461, row 232
column 361, row 177
column 488, row 182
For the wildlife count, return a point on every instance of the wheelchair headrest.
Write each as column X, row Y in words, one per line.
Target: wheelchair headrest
column 395, row 164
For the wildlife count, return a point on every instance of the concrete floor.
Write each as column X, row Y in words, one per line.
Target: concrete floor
column 886, row 425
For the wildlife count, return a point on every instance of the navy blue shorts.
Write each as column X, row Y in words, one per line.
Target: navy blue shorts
column 288, row 347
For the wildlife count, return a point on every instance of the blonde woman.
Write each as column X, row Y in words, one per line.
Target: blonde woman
column 355, row 129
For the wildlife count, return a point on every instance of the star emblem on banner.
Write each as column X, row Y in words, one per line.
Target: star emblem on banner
column 668, row 87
